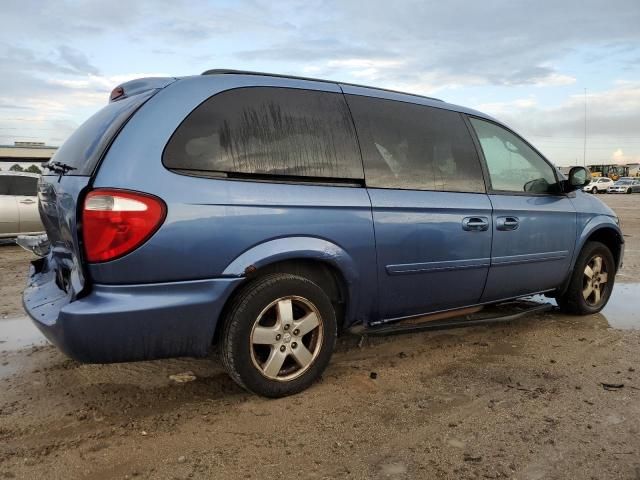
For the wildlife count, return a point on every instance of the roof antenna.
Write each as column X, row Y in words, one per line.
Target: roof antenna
column 584, row 150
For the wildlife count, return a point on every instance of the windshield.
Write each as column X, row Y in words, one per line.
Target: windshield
column 624, row 182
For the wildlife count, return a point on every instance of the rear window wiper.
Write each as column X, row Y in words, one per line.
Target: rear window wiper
column 59, row 167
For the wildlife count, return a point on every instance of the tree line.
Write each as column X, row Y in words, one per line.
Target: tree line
column 31, row 169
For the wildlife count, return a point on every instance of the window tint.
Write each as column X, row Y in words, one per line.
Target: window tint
column 513, row 165
column 268, row 131
column 415, row 147
column 17, row 185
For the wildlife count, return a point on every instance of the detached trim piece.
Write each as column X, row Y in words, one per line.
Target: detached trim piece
column 525, row 308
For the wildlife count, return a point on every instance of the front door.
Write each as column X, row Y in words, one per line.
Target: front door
column 534, row 224
column 432, row 217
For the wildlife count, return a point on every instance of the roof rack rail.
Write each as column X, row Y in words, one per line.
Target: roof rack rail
column 222, row 71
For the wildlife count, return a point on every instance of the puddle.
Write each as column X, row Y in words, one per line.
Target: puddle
column 623, row 311
column 18, row 333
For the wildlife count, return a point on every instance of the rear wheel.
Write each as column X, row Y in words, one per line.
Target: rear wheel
column 279, row 335
column 591, row 282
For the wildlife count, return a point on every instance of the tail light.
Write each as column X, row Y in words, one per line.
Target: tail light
column 116, row 222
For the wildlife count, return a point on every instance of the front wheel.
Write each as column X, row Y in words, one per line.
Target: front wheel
column 594, row 190
column 591, row 281
column 628, row 190
column 279, row 335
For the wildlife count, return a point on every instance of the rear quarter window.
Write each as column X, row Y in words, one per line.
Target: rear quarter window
column 84, row 148
column 268, row 131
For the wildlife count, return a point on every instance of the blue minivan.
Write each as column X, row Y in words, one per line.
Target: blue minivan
column 267, row 213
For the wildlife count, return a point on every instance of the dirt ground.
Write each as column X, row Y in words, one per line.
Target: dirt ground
column 521, row 400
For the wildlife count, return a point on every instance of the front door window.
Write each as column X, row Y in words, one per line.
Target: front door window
column 513, row 165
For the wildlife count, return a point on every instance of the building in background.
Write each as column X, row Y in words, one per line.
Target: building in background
column 25, row 154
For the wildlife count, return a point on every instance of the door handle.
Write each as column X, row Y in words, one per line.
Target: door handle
column 475, row 224
column 28, row 201
column 507, row 223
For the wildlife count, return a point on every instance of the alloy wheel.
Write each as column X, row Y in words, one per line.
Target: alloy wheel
column 595, row 281
column 286, row 338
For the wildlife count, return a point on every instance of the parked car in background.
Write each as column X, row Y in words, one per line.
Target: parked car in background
column 625, row 185
column 267, row 213
column 598, row 185
column 19, row 204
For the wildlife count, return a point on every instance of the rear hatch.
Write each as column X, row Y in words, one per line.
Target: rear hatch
column 65, row 182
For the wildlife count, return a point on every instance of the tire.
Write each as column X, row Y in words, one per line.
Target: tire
column 594, row 190
column 628, row 190
column 264, row 308
column 573, row 301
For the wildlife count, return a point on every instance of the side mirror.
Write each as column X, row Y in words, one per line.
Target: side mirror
column 578, row 177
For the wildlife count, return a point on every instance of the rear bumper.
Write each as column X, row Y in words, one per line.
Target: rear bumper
column 120, row 323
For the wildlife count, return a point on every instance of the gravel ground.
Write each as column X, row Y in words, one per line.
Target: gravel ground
column 519, row 400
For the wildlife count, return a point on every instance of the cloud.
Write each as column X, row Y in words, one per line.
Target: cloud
column 501, row 43
column 540, row 76
column 100, row 83
column 619, row 157
column 361, row 69
column 613, row 112
column 507, row 108
column 67, row 55
column 53, row 82
column 7, row 104
column 613, row 117
column 46, row 93
column 76, row 60
column 555, row 80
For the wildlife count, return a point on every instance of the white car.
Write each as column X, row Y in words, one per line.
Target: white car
column 625, row 185
column 599, row 185
column 19, row 204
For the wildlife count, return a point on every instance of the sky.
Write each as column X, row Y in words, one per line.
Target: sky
column 526, row 63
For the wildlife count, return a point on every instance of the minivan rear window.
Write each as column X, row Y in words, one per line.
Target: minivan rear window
column 268, row 131
column 84, row 148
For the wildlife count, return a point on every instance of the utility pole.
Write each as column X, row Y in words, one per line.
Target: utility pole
column 584, row 148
